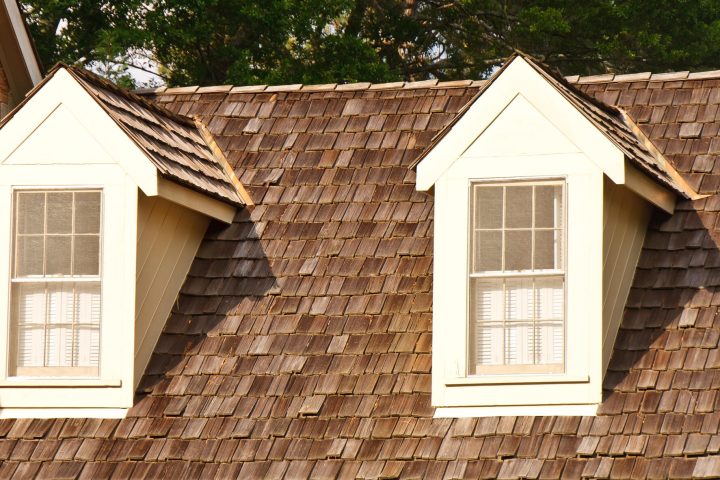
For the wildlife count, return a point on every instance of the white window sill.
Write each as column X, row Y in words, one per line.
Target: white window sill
column 63, row 412
column 516, row 379
column 25, row 382
column 517, row 410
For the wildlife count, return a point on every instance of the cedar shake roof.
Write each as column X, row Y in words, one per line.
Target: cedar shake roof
column 301, row 342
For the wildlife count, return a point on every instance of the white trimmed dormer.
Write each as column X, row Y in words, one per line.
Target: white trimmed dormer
column 542, row 200
column 104, row 200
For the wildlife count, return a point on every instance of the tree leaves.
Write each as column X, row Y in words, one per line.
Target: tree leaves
column 317, row 41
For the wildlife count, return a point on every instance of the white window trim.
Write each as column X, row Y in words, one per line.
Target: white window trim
column 580, row 383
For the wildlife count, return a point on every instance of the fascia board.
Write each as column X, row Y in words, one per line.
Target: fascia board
column 63, row 89
column 24, row 42
column 520, row 78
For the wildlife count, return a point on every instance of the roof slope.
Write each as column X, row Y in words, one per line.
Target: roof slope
column 175, row 144
column 300, row 345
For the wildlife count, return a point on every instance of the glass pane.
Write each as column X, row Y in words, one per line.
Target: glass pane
column 87, row 303
column 29, row 256
column 518, row 249
column 29, row 304
column 59, row 212
column 548, row 252
column 59, row 346
column 518, row 208
column 30, row 212
column 31, row 346
column 548, row 206
column 87, row 255
column 519, row 344
column 486, row 300
column 488, row 207
column 87, row 346
column 550, row 343
column 549, row 298
column 519, row 299
column 488, row 251
column 58, row 255
column 87, row 212
column 488, row 345
column 60, row 298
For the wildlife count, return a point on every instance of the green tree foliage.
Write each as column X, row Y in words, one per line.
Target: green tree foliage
column 316, row 41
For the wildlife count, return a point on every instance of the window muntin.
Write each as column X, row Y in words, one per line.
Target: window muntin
column 517, row 278
column 56, row 283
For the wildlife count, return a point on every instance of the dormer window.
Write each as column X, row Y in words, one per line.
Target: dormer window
column 101, row 231
column 542, row 200
column 56, row 283
column 517, row 278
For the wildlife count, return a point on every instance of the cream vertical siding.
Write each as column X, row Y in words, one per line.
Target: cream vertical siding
column 168, row 239
column 625, row 221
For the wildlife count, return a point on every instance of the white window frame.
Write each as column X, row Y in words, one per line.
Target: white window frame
column 576, row 389
column 519, row 369
column 49, row 372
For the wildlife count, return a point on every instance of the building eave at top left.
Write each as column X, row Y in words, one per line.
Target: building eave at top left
column 18, row 56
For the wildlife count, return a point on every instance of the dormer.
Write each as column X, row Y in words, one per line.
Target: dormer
column 542, row 200
column 104, row 199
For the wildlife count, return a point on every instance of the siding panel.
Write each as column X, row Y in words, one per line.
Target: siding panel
column 625, row 218
column 168, row 239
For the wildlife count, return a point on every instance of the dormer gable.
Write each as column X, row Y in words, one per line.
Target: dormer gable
column 106, row 199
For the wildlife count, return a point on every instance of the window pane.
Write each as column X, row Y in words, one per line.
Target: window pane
column 66, row 335
column 31, row 346
column 59, row 346
column 488, row 207
column 518, row 250
column 518, row 208
column 487, row 303
column 488, row 251
column 59, row 212
column 548, row 206
column 87, row 212
column 58, row 255
column 29, row 304
column 29, row 251
column 550, row 343
column 87, row 346
column 60, row 303
column 550, row 301
column 548, row 252
column 519, row 343
column 87, row 303
column 489, row 345
column 519, row 299
column 87, row 255
column 30, row 212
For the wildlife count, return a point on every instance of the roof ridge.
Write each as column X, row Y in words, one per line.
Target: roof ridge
column 643, row 76
column 572, row 79
column 299, row 87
